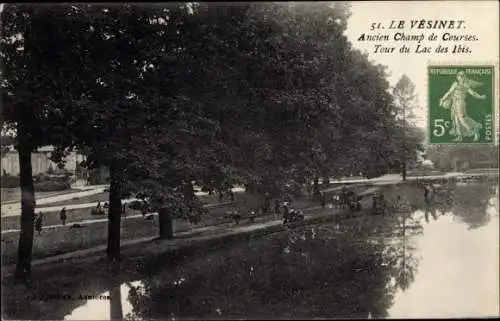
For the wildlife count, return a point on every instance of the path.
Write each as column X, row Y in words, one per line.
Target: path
column 101, row 220
column 394, row 178
column 41, row 195
column 15, row 209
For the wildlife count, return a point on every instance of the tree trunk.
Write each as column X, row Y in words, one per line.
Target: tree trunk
column 115, row 304
column 189, row 191
column 114, row 215
column 25, row 247
column 165, row 223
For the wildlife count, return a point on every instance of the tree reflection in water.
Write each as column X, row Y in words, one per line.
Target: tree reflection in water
column 467, row 202
column 343, row 269
column 115, row 304
column 471, row 203
column 406, row 261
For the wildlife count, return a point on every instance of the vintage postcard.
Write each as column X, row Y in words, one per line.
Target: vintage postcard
column 250, row 160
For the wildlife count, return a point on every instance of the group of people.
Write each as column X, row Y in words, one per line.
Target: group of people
column 345, row 198
column 229, row 192
column 379, row 204
column 289, row 213
column 100, row 209
column 39, row 219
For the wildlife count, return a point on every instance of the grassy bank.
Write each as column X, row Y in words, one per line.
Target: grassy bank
column 52, row 218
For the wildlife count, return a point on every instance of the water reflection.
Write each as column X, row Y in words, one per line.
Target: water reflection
column 458, row 273
column 458, row 270
column 471, row 203
column 390, row 265
column 342, row 269
column 109, row 305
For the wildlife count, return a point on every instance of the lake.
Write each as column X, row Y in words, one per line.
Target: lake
column 434, row 260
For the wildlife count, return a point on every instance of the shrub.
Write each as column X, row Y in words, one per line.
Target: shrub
column 96, row 211
column 51, row 186
column 10, row 181
column 50, row 170
column 135, row 205
column 42, row 182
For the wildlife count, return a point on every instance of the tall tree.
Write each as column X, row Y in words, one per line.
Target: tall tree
column 25, row 95
column 405, row 99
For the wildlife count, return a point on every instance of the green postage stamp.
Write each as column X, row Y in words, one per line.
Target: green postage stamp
column 461, row 104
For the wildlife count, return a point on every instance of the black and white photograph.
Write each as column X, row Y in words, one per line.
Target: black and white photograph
column 309, row 160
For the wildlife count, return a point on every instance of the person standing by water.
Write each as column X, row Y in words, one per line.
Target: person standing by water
column 124, row 210
column 397, row 205
column 286, row 213
column 39, row 222
column 427, row 191
column 276, row 208
column 63, row 216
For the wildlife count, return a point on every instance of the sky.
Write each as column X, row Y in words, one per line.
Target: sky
column 481, row 18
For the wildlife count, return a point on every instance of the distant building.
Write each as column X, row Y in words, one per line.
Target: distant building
column 461, row 165
column 41, row 163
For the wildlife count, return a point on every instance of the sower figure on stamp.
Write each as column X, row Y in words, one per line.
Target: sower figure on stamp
column 455, row 99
